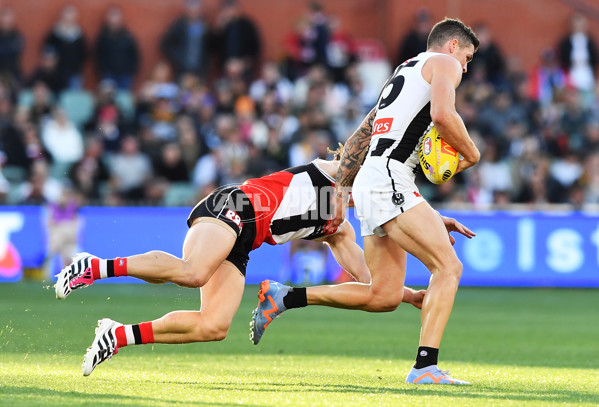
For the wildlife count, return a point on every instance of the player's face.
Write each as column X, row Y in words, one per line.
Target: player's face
column 464, row 55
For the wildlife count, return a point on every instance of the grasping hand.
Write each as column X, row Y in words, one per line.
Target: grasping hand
column 453, row 225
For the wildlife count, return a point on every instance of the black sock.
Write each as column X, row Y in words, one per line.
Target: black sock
column 295, row 298
column 426, row 357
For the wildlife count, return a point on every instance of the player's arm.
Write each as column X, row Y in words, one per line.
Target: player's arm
column 347, row 252
column 354, row 151
column 350, row 256
column 446, row 74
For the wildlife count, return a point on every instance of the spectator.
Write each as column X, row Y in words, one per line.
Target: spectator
column 489, row 57
column 233, row 153
column 63, row 228
column 62, row 139
column 271, row 80
column 539, row 186
column 237, row 37
column 573, row 121
column 567, row 170
column 130, row 169
column 314, row 146
column 494, row 119
column 107, row 120
column 494, row 173
column 48, row 72
column 579, row 57
column 307, row 44
column 193, row 146
column 40, row 188
column 69, row 42
column 171, row 165
column 116, row 51
column 42, row 104
column 22, row 147
column 90, row 172
column 11, row 47
column 341, row 50
column 4, row 184
column 590, row 178
column 160, row 86
column 187, row 42
column 414, row 41
column 547, row 80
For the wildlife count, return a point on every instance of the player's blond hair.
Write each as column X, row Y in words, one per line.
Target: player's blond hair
column 336, row 153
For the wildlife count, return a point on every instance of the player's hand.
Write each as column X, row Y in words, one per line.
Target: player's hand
column 413, row 297
column 453, row 225
column 339, row 203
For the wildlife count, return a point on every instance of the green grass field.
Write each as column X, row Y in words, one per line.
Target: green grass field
column 518, row 347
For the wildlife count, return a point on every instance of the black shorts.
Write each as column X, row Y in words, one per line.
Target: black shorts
column 232, row 206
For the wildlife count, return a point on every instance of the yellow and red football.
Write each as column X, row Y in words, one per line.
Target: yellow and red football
column 438, row 160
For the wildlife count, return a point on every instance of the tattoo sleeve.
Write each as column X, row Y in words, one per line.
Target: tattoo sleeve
column 354, row 151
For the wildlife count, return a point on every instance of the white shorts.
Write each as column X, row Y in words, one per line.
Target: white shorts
column 383, row 190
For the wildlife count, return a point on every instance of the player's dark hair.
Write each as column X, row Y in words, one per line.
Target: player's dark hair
column 336, row 153
column 448, row 29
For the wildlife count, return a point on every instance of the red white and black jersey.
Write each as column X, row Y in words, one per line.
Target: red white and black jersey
column 290, row 204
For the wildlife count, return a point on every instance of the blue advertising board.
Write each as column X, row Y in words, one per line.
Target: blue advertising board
column 524, row 249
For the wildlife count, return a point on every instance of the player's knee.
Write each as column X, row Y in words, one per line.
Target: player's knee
column 452, row 269
column 385, row 299
column 217, row 332
column 195, row 276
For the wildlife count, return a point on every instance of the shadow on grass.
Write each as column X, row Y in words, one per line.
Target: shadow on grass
column 465, row 392
column 77, row 398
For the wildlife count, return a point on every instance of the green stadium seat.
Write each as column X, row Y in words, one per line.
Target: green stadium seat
column 78, row 105
column 25, row 98
column 180, row 194
column 125, row 102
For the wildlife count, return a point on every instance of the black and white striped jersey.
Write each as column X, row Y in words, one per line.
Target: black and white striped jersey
column 403, row 113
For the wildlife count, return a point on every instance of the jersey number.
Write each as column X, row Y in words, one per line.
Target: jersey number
column 397, row 84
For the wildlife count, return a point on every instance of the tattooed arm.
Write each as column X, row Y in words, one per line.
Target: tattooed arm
column 354, row 151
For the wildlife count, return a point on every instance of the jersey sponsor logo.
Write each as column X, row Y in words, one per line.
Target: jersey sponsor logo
column 232, row 215
column 417, row 194
column 382, row 126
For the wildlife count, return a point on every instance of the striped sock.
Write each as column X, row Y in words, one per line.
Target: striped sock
column 138, row 334
column 109, row 268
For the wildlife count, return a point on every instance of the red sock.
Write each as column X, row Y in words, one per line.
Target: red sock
column 134, row 334
column 109, row 268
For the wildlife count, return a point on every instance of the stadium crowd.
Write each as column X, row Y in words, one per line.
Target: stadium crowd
column 214, row 112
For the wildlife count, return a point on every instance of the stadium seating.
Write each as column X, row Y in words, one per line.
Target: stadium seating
column 78, row 105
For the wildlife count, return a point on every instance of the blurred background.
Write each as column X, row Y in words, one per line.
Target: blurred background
column 117, row 116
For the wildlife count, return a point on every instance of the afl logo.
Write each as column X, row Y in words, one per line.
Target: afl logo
column 427, row 146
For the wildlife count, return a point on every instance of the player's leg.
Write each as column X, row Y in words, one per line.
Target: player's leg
column 421, row 232
column 206, row 246
column 387, row 262
column 221, row 297
column 429, row 242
